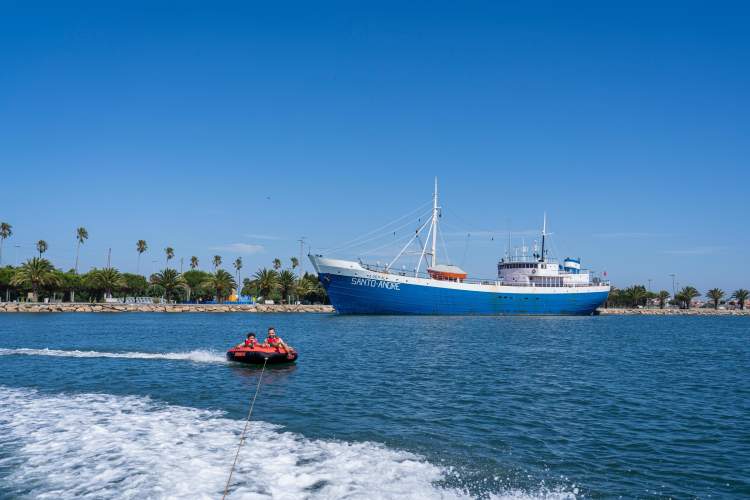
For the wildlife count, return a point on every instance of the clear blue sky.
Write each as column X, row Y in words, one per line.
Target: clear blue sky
column 236, row 128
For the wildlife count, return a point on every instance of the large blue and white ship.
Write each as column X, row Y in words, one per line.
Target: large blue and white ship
column 526, row 284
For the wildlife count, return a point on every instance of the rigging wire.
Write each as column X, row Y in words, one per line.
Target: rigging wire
column 376, row 237
column 355, row 241
column 244, row 430
column 381, row 247
column 466, row 249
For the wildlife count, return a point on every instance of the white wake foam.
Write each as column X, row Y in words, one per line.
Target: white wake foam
column 103, row 446
column 198, row 356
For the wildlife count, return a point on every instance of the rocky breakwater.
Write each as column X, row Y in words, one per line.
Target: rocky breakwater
column 27, row 307
column 674, row 312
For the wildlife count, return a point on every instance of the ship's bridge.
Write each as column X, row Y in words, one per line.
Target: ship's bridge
column 528, row 270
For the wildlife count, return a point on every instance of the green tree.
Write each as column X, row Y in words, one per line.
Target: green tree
column 81, row 236
column 35, row 274
column 155, row 291
column 193, row 262
column 286, row 280
column 662, row 296
column 248, row 288
column 6, row 230
column 41, row 247
column 6, row 275
column 194, row 280
column 636, row 295
column 141, row 246
column 741, row 297
column 276, row 264
column 238, row 266
column 715, row 294
column 169, row 252
column 108, row 279
column 217, row 262
column 686, row 296
column 170, row 280
column 135, row 284
column 221, row 282
column 303, row 288
column 266, row 282
column 295, row 262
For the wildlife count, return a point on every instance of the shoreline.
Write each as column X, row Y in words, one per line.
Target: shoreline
column 672, row 312
column 82, row 307
column 66, row 307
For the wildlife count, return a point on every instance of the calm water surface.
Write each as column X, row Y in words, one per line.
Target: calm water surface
column 144, row 405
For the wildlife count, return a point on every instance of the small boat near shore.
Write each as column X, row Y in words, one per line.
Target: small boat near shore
column 258, row 355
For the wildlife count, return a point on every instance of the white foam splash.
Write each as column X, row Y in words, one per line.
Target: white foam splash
column 103, row 446
column 198, row 356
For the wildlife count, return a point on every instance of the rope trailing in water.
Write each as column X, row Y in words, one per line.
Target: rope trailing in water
column 242, row 436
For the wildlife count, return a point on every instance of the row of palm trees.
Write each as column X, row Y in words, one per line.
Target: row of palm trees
column 637, row 295
column 39, row 276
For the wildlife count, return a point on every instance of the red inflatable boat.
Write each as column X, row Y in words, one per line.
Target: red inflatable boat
column 257, row 355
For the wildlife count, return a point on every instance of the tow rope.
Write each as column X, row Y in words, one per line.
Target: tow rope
column 244, row 430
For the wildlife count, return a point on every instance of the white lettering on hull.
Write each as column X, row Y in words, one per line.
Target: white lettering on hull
column 388, row 285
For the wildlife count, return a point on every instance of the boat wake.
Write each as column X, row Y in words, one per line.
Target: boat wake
column 197, row 356
column 105, row 446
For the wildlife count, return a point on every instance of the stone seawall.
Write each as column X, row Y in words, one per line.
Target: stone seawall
column 675, row 312
column 21, row 307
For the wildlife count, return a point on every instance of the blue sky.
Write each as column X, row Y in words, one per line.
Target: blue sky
column 236, row 128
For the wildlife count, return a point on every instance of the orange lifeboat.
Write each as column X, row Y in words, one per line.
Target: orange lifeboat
column 446, row 272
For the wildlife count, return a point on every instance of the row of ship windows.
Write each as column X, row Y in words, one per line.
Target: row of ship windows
column 523, row 265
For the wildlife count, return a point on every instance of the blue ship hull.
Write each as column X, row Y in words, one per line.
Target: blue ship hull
column 348, row 298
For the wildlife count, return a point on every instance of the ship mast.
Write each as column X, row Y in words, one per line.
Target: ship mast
column 433, row 230
column 544, row 233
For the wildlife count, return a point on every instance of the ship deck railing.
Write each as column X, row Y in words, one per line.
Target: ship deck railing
column 475, row 281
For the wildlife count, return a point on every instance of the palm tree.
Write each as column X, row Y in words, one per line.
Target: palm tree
column 715, row 294
column 741, row 297
column 277, row 263
column 170, row 280
column 6, row 230
column 686, row 295
column 36, row 273
column 636, row 294
column 81, row 235
column 222, row 282
column 238, row 265
column 248, row 287
column 286, row 283
column 107, row 279
column 141, row 246
column 662, row 296
column 193, row 262
column 41, row 246
column 295, row 262
column 303, row 288
column 266, row 281
column 169, row 251
column 217, row 262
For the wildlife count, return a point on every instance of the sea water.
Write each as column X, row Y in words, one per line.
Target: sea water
column 145, row 406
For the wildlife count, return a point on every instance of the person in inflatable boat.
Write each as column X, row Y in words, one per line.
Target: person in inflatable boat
column 250, row 341
column 274, row 340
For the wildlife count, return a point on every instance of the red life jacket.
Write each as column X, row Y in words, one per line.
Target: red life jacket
column 250, row 343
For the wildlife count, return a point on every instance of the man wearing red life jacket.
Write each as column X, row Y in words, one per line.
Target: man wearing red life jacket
column 274, row 340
